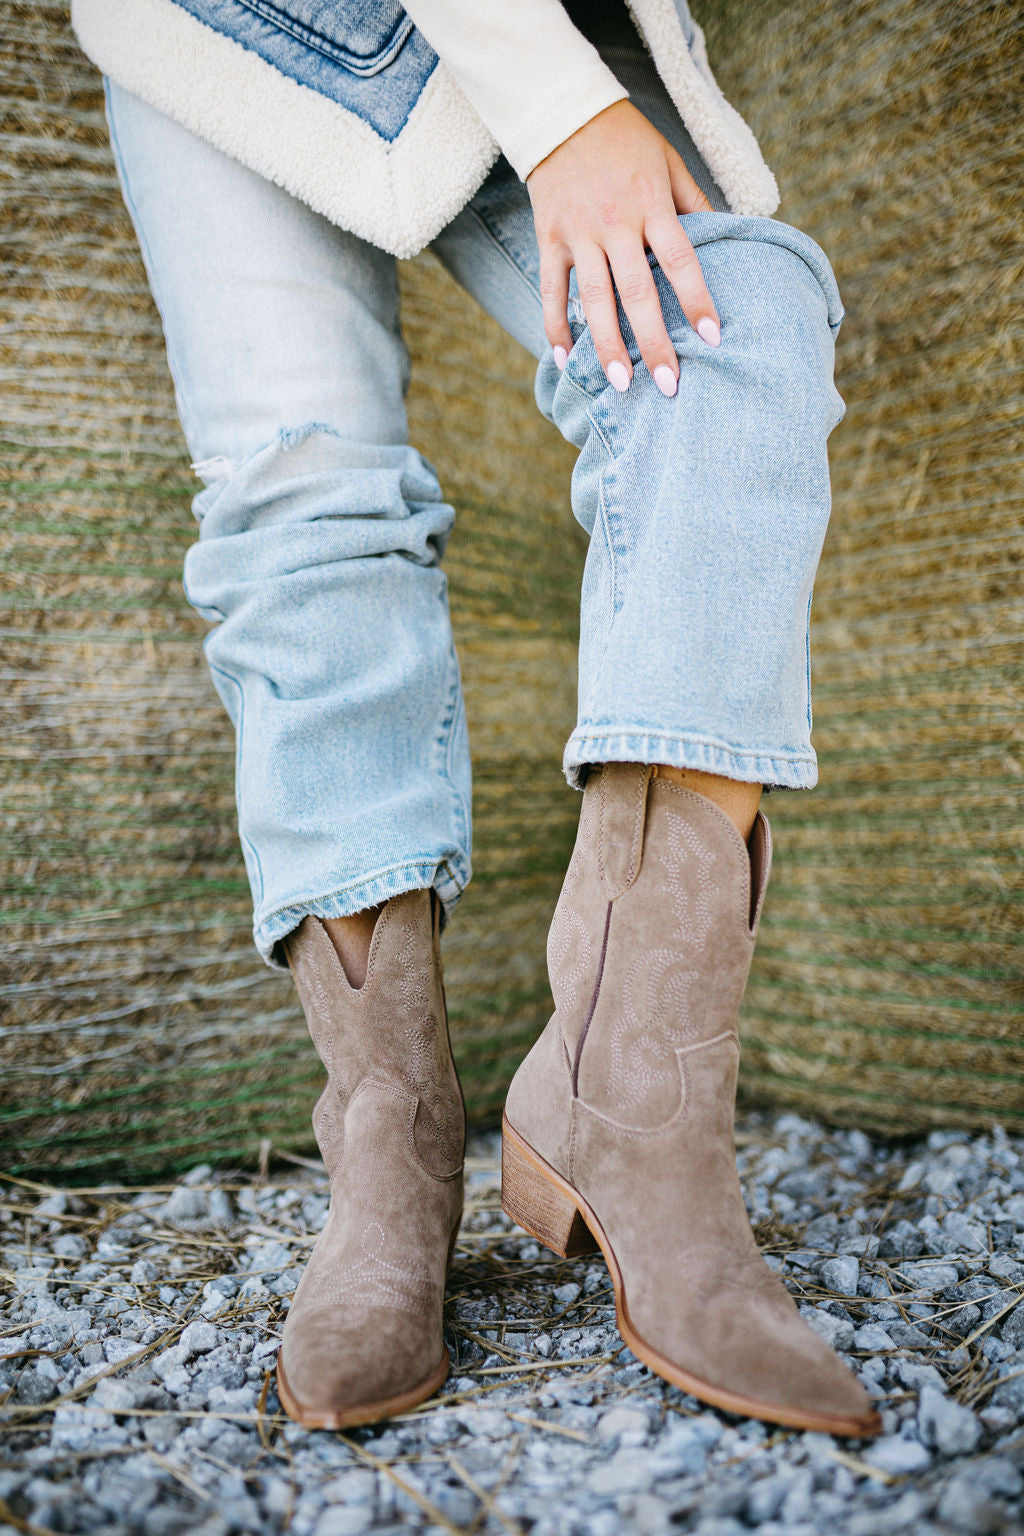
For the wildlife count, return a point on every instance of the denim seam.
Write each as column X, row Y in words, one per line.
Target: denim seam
column 773, row 769
column 239, row 733
column 603, row 522
column 807, row 653
column 362, row 64
column 602, row 518
column 613, row 556
column 595, row 422
column 618, row 543
column 446, row 742
column 452, row 874
column 592, row 399
column 689, row 738
column 505, row 252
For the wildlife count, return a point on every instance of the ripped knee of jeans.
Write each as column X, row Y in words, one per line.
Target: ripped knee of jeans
column 311, row 499
column 310, row 472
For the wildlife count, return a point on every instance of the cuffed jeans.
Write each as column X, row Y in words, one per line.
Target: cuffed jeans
column 322, row 531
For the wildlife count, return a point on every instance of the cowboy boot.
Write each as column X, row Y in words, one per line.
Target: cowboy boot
column 618, row 1129
column 363, row 1335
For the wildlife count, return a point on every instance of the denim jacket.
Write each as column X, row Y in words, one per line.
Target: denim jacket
column 346, row 105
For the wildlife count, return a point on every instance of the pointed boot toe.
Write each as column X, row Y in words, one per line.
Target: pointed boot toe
column 337, row 1376
column 363, row 1337
column 737, row 1339
column 619, row 1124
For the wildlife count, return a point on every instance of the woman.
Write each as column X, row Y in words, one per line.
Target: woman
column 275, row 159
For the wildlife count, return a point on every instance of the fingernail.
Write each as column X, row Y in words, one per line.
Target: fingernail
column 666, row 380
column 618, row 378
column 561, row 357
column 709, row 330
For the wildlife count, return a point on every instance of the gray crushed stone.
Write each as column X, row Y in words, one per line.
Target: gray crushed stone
column 138, row 1330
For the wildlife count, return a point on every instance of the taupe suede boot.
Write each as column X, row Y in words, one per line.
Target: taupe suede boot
column 619, row 1124
column 363, row 1336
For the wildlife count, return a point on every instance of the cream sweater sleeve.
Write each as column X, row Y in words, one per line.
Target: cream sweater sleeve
column 531, row 76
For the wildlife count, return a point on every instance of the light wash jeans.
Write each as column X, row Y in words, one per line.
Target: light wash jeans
column 322, row 530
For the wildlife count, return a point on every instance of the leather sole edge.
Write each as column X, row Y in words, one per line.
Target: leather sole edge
column 707, row 1392
column 365, row 1413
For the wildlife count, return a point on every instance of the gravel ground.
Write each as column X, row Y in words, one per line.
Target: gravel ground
column 139, row 1328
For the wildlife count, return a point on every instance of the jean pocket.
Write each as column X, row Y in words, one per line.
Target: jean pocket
column 583, row 367
column 363, row 37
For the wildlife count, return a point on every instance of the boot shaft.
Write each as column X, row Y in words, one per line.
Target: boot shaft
column 391, row 1032
column 619, row 1124
column 652, row 939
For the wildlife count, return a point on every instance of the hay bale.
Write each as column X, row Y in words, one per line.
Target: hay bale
column 887, row 989
column 139, row 1029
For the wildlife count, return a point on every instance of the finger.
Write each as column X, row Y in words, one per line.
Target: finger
column 687, row 195
column 639, row 295
column 555, row 264
column 678, row 260
column 595, row 289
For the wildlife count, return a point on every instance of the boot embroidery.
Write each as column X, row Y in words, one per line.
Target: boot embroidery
column 328, row 1124
column 426, row 1061
column 656, row 1016
column 683, row 846
column 655, row 1020
column 423, row 1070
column 569, row 957
column 317, row 1002
column 373, row 1280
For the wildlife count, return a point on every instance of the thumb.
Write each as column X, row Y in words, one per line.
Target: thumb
column 686, row 194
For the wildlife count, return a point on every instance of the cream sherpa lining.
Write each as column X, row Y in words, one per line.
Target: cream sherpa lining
column 727, row 146
column 396, row 195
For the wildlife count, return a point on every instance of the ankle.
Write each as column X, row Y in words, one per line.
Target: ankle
column 351, row 937
column 738, row 799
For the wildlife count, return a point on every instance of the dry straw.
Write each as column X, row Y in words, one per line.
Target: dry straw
column 139, row 1031
column 493, row 1265
column 889, row 985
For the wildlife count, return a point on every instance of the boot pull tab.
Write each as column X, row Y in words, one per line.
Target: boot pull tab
column 623, row 811
column 759, row 847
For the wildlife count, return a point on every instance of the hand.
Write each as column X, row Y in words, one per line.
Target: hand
column 601, row 200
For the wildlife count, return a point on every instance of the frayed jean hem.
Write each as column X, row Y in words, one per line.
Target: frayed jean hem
column 449, row 879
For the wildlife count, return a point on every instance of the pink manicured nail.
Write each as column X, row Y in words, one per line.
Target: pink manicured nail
column 561, row 357
column 618, row 378
column 666, row 380
column 709, row 330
